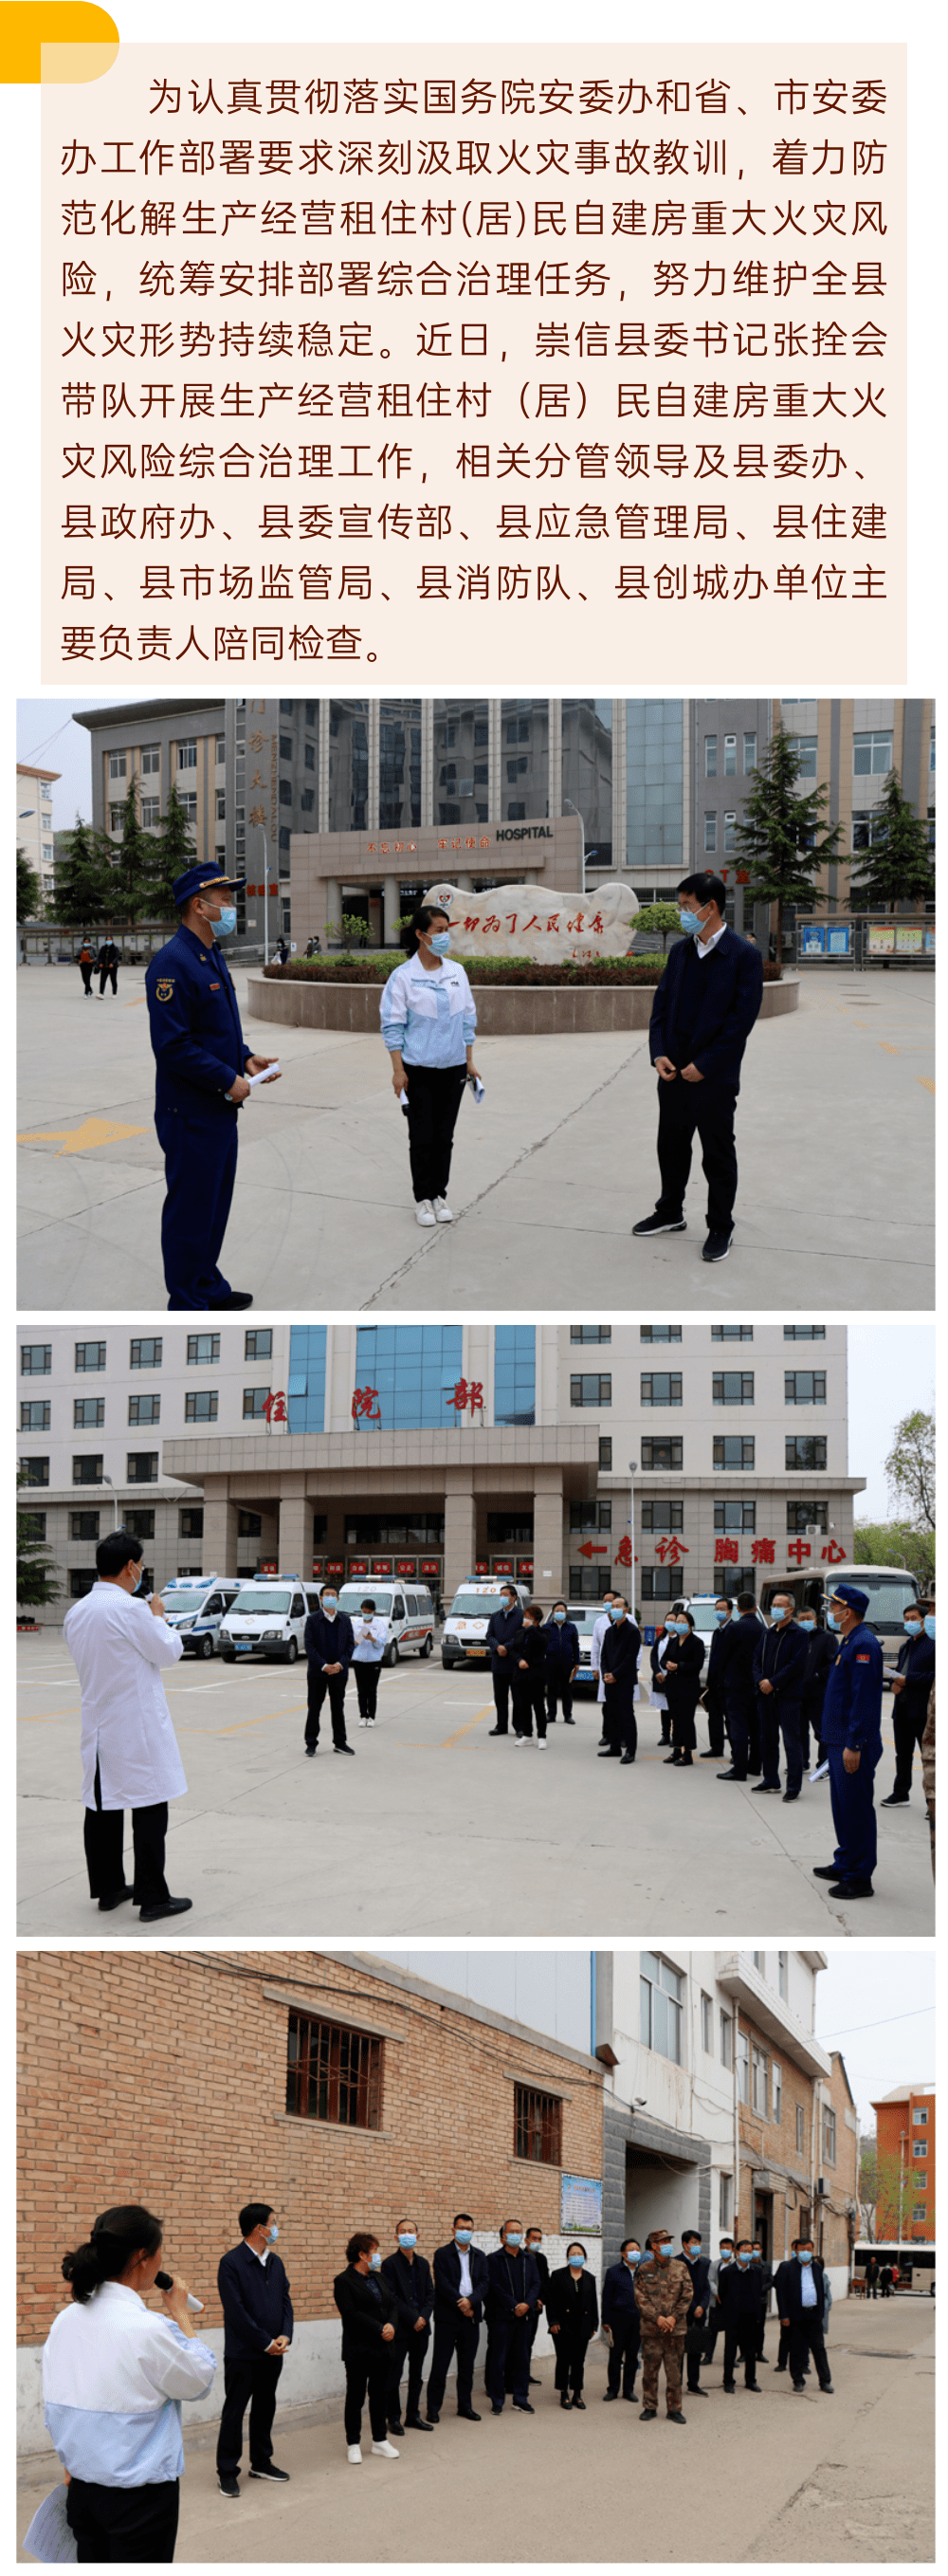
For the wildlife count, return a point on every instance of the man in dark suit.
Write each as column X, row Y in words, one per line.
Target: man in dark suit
column 779, row 1666
column 820, row 1653
column 502, row 1629
column 202, row 1074
column 412, row 2288
column 329, row 1640
column 911, row 1685
column 740, row 1693
column 765, row 2273
column 696, row 2324
column 107, row 962
column 620, row 2314
column 258, row 2328
column 512, row 2296
column 800, row 2299
column 534, row 2246
column 702, row 1016
column 574, row 2319
column 618, row 1664
column 712, row 1696
column 461, row 2283
column 740, row 2293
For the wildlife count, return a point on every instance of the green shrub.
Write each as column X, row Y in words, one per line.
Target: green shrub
column 374, row 968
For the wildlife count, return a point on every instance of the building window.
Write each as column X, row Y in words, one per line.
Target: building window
column 804, row 1332
column 920, row 2146
column 707, row 2025
column 116, row 765
column 804, row 1386
column 660, row 1583
column 919, row 2212
column 116, row 814
column 661, row 1990
column 202, row 1405
column 151, row 761
column 725, row 2221
column 659, row 1388
column 919, row 2119
column 661, row 1457
column 808, row 1454
column 255, row 1398
column 727, row 2039
column 141, row 1525
column 538, row 2126
column 514, row 1374
column 584, row 1516
column 758, row 1959
column 659, row 1332
column 750, row 753
column 743, row 2067
column 732, row 1386
column 187, row 755
column 144, row 1408
column 710, row 834
column 36, row 1359
column 588, row 1582
column 732, row 1332
column 872, row 755
column 732, row 1453
column 735, row 1516
column 81, row 1580
column 710, row 755
column 730, row 755
column 88, row 1413
column 759, row 2081
column 662, row 1513
column 145, row 1354
column 191, row 1521
column 605, row 1455
column 829, row 2135
column 142, row 1467
column 34, row 1528
column 84, row 1525
column 804, row 744
column 730, row 834
column 203, row 1349
column 333, row 2074
column 220, row 806
column 87, row 1471
column 801, row 2130
column 590, row 1332
column 151, row 813
column 782, row 1968
column 590, row 1390
column 776, row 2092
column 804, row 1516
column 35, row 1471
column 258, row 1346
column 90, row 1356
column 249, row 1525
column 34, row 1417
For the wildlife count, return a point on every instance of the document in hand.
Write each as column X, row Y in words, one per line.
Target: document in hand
column 269, row 1075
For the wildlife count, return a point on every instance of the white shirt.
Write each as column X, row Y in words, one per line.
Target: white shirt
column 465, row 2290
column 114, row 2374
column 371, row 1636
column 594, row 1653
column 704, row 946
column 118, row 1649
column 808, row 2286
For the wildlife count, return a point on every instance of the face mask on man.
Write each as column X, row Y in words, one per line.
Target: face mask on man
column 689, row 920
column 832, row 1621
column 691, row 2252
column 463, row 2235
column 273, row 2233
column 779, row 1610
column 632, row 2257
column 743, row 2260
column 722, row 1617
column 615, row 1610
column 225, row 923
column 512, row 2240
column 804, row 2254
column 808, row 1624
column 930, row 1624
column 559, row 1616
column 912, row 1627
column 406, row 2242
column 330, row 1605
column 664, row 2251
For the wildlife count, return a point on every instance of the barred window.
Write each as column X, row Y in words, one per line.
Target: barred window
column 538, row 2126
column 333, row 2073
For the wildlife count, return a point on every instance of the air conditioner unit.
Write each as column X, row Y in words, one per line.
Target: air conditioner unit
column 822, row 2188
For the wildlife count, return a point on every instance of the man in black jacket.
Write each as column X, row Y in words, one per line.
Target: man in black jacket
column 820, row 1654
column 528, row 1675
column 107, row 962
column 409, row 2280
column 512, row 2296
column 779, row 1666
column 620, row 2314
column 329, row 1641
column 740, row 2295
column 461, row 2283
column 740, row 1695
column 800, row 2300
column 502, row 1629
column 258, row 2328
column 534, row 2247
column 696, row 2324
column 618, row 1664
column 702, row 1016
column 765, row 2275
column 712, row 1696
column 911, row 1685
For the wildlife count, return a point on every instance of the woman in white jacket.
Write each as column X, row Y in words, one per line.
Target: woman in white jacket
column 114, row 2375
column 428, row 1018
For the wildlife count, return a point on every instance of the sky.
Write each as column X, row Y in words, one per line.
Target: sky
column 877, row 2006
column 46, row 738
column 891, row 1373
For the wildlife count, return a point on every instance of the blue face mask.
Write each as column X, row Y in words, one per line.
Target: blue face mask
column 463, row 2235
column 375, row 2262
column 559, row 1616
column 406, row 2243
column 632, row 2258
column 688, row 919
column 665, row 2252
column 804, row 2258
column 832, row 1621
column 809, row 1624
column 330, row 1606
column 273, row 2233
column 513, row 2241
column 614, row 1611
column 930, row 1623
column 744, row 2259
column 722, row 1617
column 576, row 2262
column 691, row 2252
column 912, row 1627
column 441, row 942
column 226, row 922
column 778, row 1613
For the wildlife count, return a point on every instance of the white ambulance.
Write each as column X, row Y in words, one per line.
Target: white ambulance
column 464, row 1637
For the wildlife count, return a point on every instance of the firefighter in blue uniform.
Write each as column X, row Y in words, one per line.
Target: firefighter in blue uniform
column 201, row 1064
column 852, row 1740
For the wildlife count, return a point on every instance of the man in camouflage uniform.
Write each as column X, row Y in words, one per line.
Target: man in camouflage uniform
column 663, row 2295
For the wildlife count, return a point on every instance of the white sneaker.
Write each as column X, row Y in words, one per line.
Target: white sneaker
column 541, row 1743
column 363, row 1721
column 354, row 2455
column 442, row 1211
column 521, row 1739
column 385, row 2450
column 424, row 1213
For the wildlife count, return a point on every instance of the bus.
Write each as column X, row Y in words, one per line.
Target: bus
column 889, row 1587
column 915, row 2263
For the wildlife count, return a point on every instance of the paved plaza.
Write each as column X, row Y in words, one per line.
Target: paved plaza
column 835, row 1142
column 775, row 2479
column 436, row 1815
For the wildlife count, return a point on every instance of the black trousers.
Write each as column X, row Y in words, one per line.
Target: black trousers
column 86, row 974
column 104, row 1834
column 806, row 2335
column 742, row 1731
column 508, row 2356
column 684, row 1733
column 367, row 1685
column 559, row 1694
column 570, row 2361
column 414, row 2347
column 123, row 2526
column 317, row 1685
column 742, row 2339
column 367, row 2377
column 908, row 1726
column 715, row 1717
column 705, row 1109
column 112, row 972
column 500, row 1682
column 250, row 2383
column 694, row 2359
column 452, row 2335
column 529, row 1702
column 618, row 1718
column 779, row 1721
column 200, row 1170
column 624, row 2353
column 435, row 1094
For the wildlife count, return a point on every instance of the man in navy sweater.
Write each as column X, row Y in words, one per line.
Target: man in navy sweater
column 702, row 1016
column 258, row 2327
column 620, row 2314
column 329, row 1641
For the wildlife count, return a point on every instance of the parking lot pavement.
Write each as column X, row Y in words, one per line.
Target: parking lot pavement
column 841, row 2480
column 833, row 1136
column 554, row 1843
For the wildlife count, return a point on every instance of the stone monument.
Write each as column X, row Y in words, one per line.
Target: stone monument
column 530, row 921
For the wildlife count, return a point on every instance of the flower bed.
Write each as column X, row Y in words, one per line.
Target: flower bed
column 360, row 968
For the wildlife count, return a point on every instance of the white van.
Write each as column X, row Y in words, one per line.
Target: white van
column 268, row 1618
column 464, row 1639
column 195, row 1604
column 407, row 1609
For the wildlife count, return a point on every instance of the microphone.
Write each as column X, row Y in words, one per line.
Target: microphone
column 164, row 2281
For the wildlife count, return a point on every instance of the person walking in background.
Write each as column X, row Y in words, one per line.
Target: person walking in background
column 86, row 962
column 329, row 1644
column 820, row 1650
column 707, row 1001
column 108, row 965
column 618, row 1664
column 368, row 2313
column 429, row 1016
column 535, row 2247
column 872, row 2277
column 621, row 2320
column 114, row 2376
column 562, row 1663
column 911, row 1685
column 852, row 1734
column 130, row 1755
column 461, row 2285
column 503, row 1629
column 683, row 1668
column 529, row 1677
column 663, row 2292
column 886, row 2278
column 258, row 2329
column 740, row 1694
column 412, row 2288
column 371, row 1637
column 574, row 2319
column 712, row 1696
column 928, row 1764
column 779, row 1665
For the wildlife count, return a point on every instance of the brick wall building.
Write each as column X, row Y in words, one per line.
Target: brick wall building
column 166, row 2077
column 905, row 2154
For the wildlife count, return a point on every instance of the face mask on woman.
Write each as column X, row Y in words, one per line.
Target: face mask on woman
column 375, row 2262
column 576, row 2262
column 440, row 942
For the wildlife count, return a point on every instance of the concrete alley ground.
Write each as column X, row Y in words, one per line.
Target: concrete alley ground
column 834, row 1136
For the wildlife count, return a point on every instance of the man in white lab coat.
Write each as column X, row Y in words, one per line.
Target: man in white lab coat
column 130, row 1754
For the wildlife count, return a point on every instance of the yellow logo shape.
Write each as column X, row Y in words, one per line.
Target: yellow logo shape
column 164, row 990
column 82, row 1140
column 55, row 40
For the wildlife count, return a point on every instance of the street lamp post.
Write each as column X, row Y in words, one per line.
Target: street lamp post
column 574, row 809
column 107, row 1480
column 266, row 899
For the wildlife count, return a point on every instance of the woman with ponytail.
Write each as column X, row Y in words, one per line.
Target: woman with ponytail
column 114, row 2375
column 429, row 1016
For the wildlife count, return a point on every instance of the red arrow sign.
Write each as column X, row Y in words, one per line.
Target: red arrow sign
column 588, row 1549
